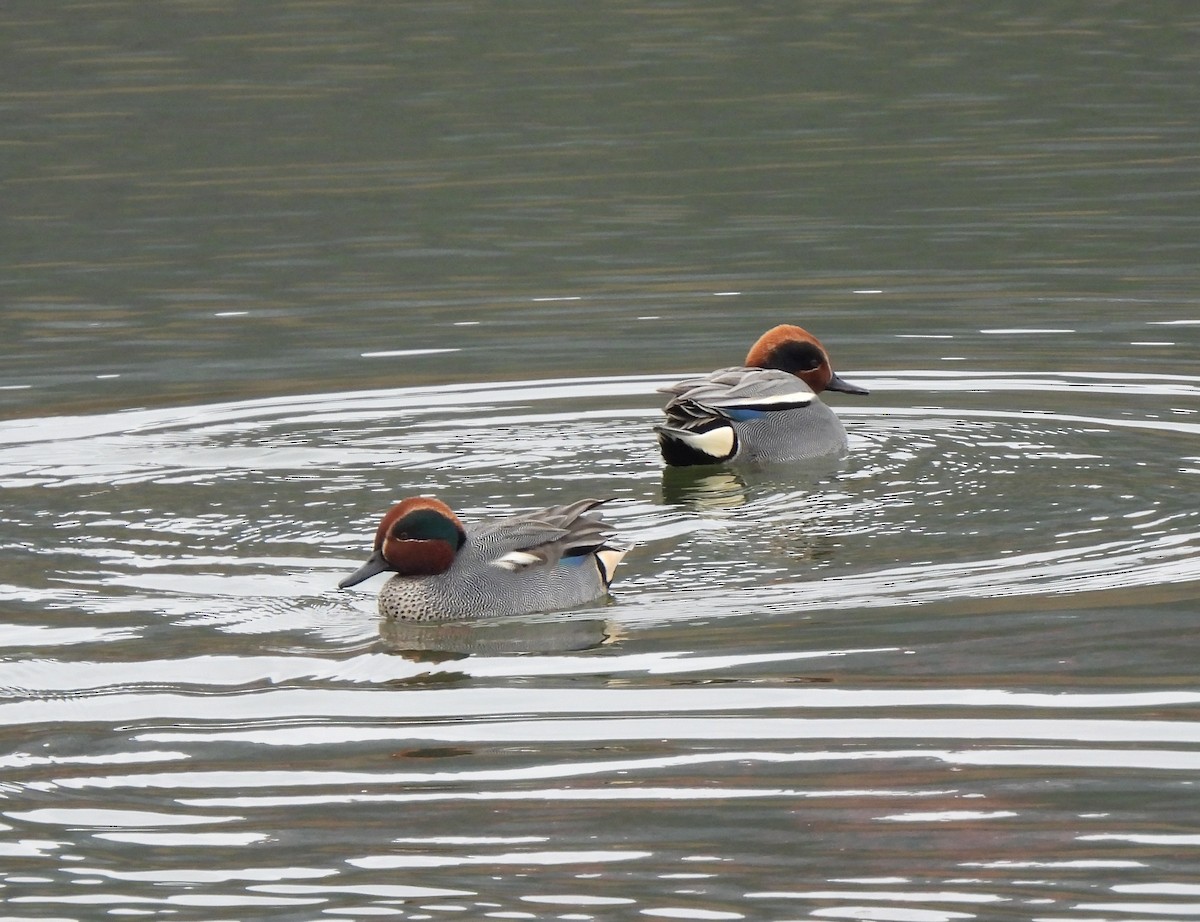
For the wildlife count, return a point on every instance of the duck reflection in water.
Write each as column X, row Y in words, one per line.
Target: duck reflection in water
column 713, row 488
column 703, row 489
column 425, row 642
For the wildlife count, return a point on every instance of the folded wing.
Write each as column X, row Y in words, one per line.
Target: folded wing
column 733, row 394
column 541, row 538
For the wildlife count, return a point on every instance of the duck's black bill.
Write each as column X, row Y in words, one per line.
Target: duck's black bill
column 839, row 384
column 375, row 565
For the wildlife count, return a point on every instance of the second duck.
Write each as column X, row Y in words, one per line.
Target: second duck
column 765, row 412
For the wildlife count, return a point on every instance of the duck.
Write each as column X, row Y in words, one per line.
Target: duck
column 548, row 559
column 764, row 412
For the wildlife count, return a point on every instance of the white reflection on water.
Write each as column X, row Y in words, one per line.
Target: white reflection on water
column 1145, row 838
column 186, row 839
column 197, row 875
column 500, row 858
column 387, row 891
column 492, row 702
column 626, row 793
column 1143, row 758
column 1173, row 889
column 48, row 678
column 122, row 899
column 21, row 760
column 915, row 896
column 41, row 635
column 99, row 818
column 574, row 899
column 1074, row 863
column 949, row 816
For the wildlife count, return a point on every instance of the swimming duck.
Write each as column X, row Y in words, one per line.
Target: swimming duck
column 764, row 412
column 552, row 558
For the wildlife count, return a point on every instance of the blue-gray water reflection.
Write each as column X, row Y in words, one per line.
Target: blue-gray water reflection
column 268, row 268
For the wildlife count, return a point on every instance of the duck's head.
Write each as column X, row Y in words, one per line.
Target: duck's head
column 795, row 350
column 419, row 536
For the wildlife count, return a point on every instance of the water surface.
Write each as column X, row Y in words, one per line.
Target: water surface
column 267, row 270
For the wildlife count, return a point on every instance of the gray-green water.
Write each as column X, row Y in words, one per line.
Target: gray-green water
column 267, row 268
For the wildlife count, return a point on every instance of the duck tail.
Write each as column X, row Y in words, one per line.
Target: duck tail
column 607, row 558
column 687, row 447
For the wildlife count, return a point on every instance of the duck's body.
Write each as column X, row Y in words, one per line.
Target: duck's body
column 747, row 415
column 552, row 558
column 765, row 412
